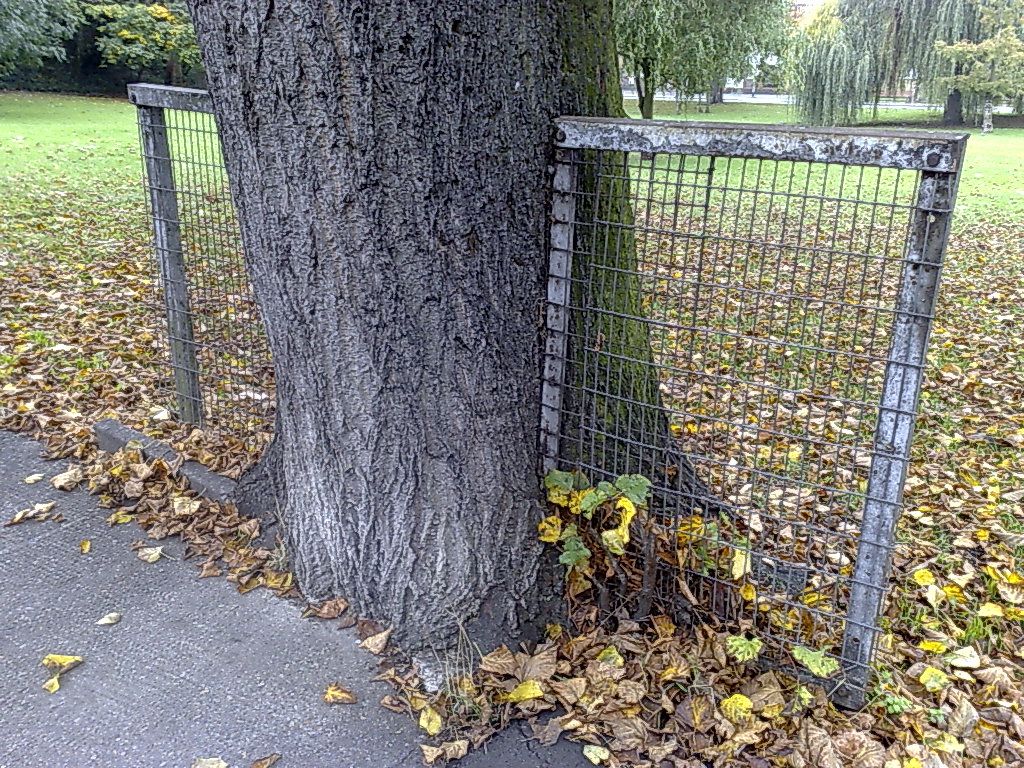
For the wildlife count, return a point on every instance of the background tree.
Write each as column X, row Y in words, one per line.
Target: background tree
column 991, row 69
column 851, row 51
column 146, row 37
column 692, row 45
column 34, row 30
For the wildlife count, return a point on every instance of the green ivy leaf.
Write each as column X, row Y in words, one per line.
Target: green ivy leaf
column 595, row 497
column 558, row 480
column 742, row 649
column 574, row 553
column 816, row 662
column 635, row 488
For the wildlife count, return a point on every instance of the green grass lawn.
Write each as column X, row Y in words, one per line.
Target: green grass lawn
column 991, row 187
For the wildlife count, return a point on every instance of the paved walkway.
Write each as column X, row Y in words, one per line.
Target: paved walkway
column 192, row 670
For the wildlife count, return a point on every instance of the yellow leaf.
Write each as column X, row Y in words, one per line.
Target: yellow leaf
column 84, row 546
column 430, row 721
column 61, row 663
column 558, row 496
column 526, row 690
column 748, row 592
column 954, row 592
column 335, row 694
column 596, row 754
column 549, row 529
column 611, row 655
column 923, row 577
column 740, row 564
column 119, row 516
column 52, row 685
column 736, row 708
column 990, row 611
column 934, row 680
column 690, row 529
column 932, row 646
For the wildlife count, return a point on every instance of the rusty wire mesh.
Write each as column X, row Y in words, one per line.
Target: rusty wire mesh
column 729, row 328
column 220, row 363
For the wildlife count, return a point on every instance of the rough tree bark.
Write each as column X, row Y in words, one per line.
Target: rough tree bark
column 389, row 165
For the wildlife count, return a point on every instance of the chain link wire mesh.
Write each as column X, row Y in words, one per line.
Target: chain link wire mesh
column 220, row 363
column 735, row 328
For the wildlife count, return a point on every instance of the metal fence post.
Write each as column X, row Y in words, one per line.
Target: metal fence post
column 915, row 307
column 563, row 214
column 167, row 243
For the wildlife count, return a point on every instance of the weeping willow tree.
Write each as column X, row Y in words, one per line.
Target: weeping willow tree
column 851, row 51
column 691, row 45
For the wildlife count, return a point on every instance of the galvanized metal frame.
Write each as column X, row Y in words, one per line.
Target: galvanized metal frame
column 218, row 353
column 937, row 158
column 563, row 214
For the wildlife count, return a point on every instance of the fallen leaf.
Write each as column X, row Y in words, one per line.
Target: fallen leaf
column 266, row 762
column 335, row 694
column 923, row 577
column 430, row 720
column 332, row 609
column 67, row 481
column 934, row 680
column 990, row 611
column 33, row 479
column 964, row 658
column 209, row 762
column 150, row 554
column 376, row 644
column 526, row 690
column 596, row 754
column 109, row 619
column 737, row 708
column 611, row 655
column 85, row 546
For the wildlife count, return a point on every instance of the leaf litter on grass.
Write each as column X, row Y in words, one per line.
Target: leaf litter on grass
column 79, row 343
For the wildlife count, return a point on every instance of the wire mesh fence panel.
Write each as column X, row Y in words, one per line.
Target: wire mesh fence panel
column 221, row 366
column 741, row 317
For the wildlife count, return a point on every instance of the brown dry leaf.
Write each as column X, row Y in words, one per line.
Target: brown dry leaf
column 336, row 694
column 500, row 661
column 376, row 644
column 856, row 748
column 266, row 762
column 449, row 750
column 67, row 481
column 332, row 609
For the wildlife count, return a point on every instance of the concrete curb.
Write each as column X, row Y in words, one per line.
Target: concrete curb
column 112, row 435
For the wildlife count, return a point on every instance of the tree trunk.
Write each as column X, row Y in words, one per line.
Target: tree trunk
column 953, row 112
column 646, row 92
column 389, row 166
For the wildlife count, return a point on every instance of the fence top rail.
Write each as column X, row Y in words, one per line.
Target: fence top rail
column 170, row 97
column 912, row 150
